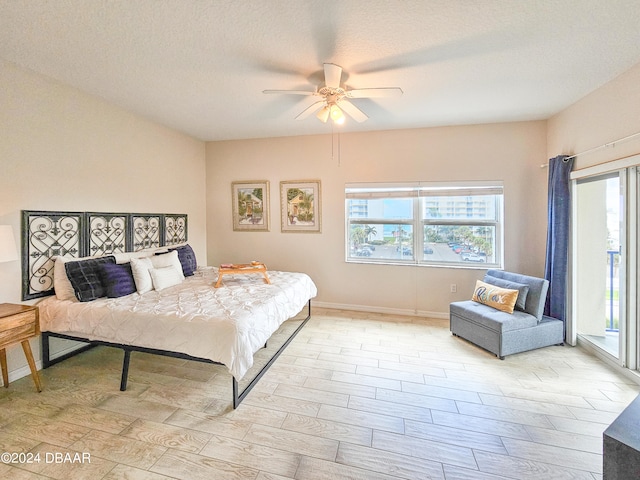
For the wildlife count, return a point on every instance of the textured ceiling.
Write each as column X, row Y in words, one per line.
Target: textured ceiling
column 200, row 66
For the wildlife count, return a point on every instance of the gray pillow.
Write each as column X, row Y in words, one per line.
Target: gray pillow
column 523, row 289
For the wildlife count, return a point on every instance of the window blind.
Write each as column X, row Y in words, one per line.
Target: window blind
column 372, row 191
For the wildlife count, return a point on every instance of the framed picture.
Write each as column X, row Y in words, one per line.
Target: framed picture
column 300, row 206
column 251, row 206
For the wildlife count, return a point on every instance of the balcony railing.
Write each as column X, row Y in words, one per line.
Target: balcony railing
column 610, row 283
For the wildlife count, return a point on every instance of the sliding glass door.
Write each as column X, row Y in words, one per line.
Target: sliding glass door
column 599, row 261
column 606, row 260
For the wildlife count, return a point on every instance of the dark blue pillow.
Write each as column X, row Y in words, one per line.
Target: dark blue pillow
column 117, row 279
column 84, row 276
column 187, row 259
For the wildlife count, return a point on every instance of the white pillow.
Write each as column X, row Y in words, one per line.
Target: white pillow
column 165, row 277
column 125, row 257
column 168, row 260
column 61, row 284
column 140, row 268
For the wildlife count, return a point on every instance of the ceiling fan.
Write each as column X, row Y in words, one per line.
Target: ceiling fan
column 335, row 99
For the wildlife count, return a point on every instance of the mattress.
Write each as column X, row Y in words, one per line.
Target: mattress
column 226, row 325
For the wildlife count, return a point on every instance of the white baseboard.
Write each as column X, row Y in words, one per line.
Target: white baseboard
column 390, row 311
column 69, row 349
column 25, row 371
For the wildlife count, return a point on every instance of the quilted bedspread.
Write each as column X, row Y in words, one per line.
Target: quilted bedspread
column 227, row 324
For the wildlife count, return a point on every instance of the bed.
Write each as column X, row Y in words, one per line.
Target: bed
column 154, row 300
column 192, row 320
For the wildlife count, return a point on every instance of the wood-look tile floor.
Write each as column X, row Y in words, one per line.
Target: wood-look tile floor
column 354, row 396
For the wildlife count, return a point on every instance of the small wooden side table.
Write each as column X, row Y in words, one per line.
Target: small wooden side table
column 18, row 323
column 236, row 268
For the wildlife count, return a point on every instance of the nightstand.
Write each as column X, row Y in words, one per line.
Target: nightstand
column 18, row 323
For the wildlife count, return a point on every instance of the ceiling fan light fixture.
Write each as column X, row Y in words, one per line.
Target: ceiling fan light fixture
column 323, row 114
column 336, row 114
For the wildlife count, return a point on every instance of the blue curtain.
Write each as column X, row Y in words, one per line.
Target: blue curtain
column 556, row 264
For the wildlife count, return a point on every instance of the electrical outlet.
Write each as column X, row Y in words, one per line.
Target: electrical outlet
column 454, row 288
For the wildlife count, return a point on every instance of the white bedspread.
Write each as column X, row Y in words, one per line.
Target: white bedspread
column 227, row 324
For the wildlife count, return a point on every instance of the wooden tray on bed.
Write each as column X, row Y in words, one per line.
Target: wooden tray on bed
column 239, row 268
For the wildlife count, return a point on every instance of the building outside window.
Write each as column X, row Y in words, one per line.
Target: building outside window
column 437, row 224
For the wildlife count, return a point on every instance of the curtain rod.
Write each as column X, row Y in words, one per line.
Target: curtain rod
column 606, row 145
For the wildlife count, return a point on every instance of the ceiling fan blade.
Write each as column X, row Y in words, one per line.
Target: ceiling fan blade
column 375, row 92
column 332, row 75
column 309, row 110
column 291, row 92
column 353, row 111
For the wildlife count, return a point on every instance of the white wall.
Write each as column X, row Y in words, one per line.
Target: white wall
column 61, row 149
column 607, row 114
column 510, row 152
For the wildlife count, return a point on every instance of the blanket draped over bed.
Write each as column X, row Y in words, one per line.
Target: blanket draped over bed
column 226, row 325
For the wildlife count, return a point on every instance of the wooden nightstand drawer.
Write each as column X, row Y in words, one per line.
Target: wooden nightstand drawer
column 18, row 320
column 17, row 327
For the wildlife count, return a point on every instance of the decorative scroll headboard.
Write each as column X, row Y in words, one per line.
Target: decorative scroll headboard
column 46, row 235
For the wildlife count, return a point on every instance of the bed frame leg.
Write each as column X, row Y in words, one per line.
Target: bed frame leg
column 125, row 370
column 46, row 359
column 236, row 398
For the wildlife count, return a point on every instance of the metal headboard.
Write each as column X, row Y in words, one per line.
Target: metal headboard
column 46, row 235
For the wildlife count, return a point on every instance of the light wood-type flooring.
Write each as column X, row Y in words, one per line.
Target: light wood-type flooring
column 355, row 396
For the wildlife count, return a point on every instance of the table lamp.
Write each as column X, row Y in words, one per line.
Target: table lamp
column 8, row 250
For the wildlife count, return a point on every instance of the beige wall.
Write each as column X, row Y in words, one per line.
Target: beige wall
column 604, row 116
column 61, row 149
column 510, row 152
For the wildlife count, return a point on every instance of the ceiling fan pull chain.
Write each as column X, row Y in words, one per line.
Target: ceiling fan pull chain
column 333, row 145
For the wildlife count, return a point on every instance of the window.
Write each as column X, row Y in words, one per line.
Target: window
column 453, row 224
